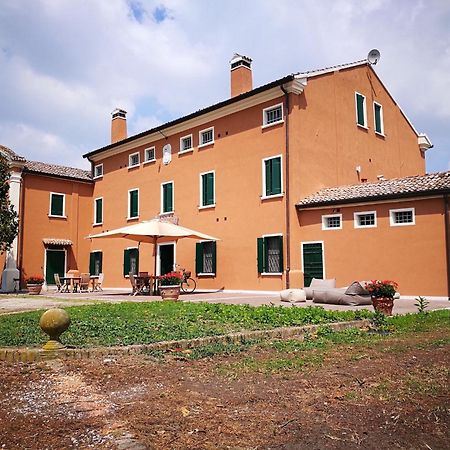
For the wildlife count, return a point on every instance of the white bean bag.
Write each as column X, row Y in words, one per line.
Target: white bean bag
column 293, row 295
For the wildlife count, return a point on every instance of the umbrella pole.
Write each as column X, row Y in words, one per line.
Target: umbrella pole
column 154, row 271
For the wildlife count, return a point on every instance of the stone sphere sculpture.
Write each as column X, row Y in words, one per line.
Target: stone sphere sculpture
column 54, row 322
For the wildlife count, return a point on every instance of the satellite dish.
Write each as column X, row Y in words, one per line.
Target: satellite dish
column 167, row 154
column 374, row 56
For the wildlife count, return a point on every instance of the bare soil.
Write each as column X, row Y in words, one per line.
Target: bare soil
column 392, row 395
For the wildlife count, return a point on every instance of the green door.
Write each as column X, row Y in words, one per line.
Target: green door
column 312, row 262
column 56, row 263
column 166, row 258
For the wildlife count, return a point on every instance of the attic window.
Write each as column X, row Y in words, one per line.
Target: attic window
column 273, row 115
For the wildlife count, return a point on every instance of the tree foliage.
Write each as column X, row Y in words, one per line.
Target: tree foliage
column 9, row 221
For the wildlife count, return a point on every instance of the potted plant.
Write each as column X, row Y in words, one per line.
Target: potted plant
column 382, row 293
column 34, row 284
column 169, row 285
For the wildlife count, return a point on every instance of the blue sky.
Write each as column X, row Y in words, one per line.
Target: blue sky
column 66, row 64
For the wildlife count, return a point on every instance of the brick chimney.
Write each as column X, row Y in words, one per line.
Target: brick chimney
column 241, row 74
column 118, row 125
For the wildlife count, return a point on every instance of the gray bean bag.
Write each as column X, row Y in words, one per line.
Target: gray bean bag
column 353, row 295
column 320, row 285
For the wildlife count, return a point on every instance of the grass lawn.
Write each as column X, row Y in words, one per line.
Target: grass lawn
column 141, row 323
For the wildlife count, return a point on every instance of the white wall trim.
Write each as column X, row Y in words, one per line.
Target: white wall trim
column 263, row 171
column 158, row 255
column 361, row 213
column 392, row 213
column 161, row 206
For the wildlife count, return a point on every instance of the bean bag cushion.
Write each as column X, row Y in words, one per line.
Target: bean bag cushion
column 356, row 288
column 339, row 297
column 318, row 284
column 293, row 295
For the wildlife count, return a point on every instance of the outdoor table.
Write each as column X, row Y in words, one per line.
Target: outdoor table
column 144, row 284
column 72, row 282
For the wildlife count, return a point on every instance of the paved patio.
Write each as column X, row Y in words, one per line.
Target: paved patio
column 11, row 303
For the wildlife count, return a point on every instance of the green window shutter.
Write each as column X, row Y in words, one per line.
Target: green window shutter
column 377, row 109
column 100, row 263
column 92, row 263
column 168, row 197
column 360, row 109
column 268, row 173
column 207, row 189
column 134, row 256
column 57, row 205
column 261, row 256
column 99, row 210
column 276, row 176
column 134, row 203
column 198, row 257
column 126, row 262
column 280, row 246
column 214, row 253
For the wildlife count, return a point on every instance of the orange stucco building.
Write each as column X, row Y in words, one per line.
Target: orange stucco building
column 249, row 170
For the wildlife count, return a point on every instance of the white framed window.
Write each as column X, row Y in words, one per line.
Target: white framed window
column 332, row 222
column 402, row 217
column 270, row 254
column 167, row 197
column 57, row 205
column 98, row 211
column 206, row 137
column 205, row 258
column 361, row 111
column 272, row 177
column 207, row 189
column 378, row 123
column 149, row 155
column 133, row 160
column 186, row 144
column 98, row 171
column 273, row 115
column 365, row 219
column 133, row 204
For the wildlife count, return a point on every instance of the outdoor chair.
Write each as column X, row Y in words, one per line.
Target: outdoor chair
column 84, row 283
column 143, row 274
column 99, row 281
column 134, row 285
column 58, row 282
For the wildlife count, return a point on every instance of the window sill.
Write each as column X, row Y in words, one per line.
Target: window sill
column 133, row 167
column 364, row 226
column 97, row 177
column 97, row 224
column 207, row 206
column 268, row 125
column 148, row 162
column 133, row 218
column 380, row 134
column 57, row 217
column 206, row 145
column 206, row 274
column 271, row 274
column 167, row 213
column 189, row 150
column 364, row 127
column 331, row 229
column 266, row 197
column 407, row 224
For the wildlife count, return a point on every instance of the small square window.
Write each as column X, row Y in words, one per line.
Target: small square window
column 273, row 115
column 149, row 154
column 400, row 217
column 186, row 144
column 133, row 160
column 98, row 171
column 207, row 137
column 367, row 219
column 332, row 222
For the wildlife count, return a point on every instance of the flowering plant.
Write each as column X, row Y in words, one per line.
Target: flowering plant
column 171, row 279
column 35, row 279
column 382, row 288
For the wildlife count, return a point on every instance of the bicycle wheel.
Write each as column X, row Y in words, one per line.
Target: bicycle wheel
column 188, row 285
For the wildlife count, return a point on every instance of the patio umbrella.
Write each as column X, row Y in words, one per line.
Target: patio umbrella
column 153, row 231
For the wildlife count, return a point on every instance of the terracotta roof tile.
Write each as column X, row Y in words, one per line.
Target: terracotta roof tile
column 395, row 188
column 58, row 171
column 10, row 154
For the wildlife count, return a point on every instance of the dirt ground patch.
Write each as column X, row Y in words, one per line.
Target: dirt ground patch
column 385, row 393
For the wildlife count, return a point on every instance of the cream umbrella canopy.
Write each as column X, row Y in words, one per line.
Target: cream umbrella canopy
column 153, row 231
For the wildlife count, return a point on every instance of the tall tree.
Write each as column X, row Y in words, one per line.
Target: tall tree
column 9, row 221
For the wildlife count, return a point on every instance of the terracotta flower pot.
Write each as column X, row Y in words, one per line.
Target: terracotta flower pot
column 169, row 292
column 383, row 305
column 34, row 289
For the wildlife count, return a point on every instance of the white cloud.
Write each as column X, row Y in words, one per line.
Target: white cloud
column 66, row 65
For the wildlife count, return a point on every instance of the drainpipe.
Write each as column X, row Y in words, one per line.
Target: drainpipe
column 287, row 211
column 447, row 241
column 21, row 228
